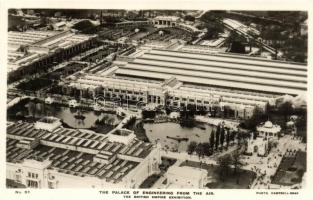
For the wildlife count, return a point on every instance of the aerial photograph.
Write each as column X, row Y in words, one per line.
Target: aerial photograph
column 159, row 99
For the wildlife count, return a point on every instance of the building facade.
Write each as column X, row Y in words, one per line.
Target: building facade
column 133, row 24
column 180, row 78
column 166, row 21
column 168, row 93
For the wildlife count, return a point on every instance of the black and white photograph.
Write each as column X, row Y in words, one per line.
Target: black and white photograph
column 156, row 99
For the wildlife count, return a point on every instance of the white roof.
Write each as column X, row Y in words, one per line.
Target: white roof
column 168, row 18
column 60, row 24
column 187, row 172
column 205, row 80
column 268, row 124
column 221, row 70
column 269, row 127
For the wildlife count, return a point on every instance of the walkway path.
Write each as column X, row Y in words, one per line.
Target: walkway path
column 215, row 121
column 182, row 156
column 265, row 167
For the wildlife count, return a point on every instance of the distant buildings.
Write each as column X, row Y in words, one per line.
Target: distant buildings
column 173, row 21
column 159, row 22
column 59, row 26
column 132, row 24
column 166, row 21
column 33, row 51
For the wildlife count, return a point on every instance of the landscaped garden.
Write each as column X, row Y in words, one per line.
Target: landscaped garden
column 241, row 179
column 150, row 181
column 291, row 169
column 51, row 78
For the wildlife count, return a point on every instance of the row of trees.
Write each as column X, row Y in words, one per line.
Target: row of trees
column 38, row 109
column 281, row 114
column 219, row 139
column 188, row 112
column 229, row 161
column 106, row 120
column 202, row 149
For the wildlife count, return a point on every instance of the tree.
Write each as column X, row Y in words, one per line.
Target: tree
column 222, row 136
column 224, row 163
column 232, row 136
column 217, row 139
column 213, row 111
column 286, row 110
column 187, row 116
column 45, row 21
column 191, row 147
column 212, row 138
column 148, row 114
column 99, row 91
column 200, row 150
column 111, row 121
column 57, row 14
column 207, row 149
column 241, row 136
column 237, row 47
column 236, row 160
column 212, row 20
column 301, row 125
column 227, row 137
column 105, row 118
column 32, row 109
column 189, row 18
column 257, row 117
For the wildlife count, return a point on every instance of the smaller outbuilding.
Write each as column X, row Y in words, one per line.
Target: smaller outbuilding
column 186, row 177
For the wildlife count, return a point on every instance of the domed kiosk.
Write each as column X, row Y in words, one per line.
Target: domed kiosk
column 266, row 132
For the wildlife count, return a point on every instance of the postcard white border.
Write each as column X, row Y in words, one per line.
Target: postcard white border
column 94, row 194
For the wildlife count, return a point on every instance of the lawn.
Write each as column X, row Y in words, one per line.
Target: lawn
column 291, row 170
column 149, row 182
column 51, row 78
column 240, row 180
